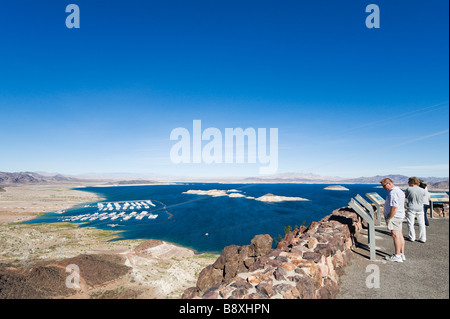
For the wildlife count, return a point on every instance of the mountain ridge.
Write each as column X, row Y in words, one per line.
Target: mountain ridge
column 47, row 178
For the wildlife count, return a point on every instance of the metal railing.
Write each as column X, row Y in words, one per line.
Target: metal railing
column 365, row 210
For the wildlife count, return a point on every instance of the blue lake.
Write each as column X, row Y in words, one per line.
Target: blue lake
column 203, row 222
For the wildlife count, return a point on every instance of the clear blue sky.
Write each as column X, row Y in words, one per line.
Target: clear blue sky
column 347, row 100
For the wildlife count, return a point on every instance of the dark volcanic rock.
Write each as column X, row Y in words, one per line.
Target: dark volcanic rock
column 208, row 277
column 49, row 280
column 97, row 269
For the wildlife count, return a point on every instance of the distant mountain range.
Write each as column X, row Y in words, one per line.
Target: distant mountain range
column 34, row 178
column 24, row 178
column 122, row 178
column 311, row 178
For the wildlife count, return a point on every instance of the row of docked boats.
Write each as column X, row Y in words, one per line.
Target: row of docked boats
column 120, row 211
column 122, row 216
column 129, row 205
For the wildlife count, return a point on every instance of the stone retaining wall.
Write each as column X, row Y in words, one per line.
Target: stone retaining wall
column 307, row 263
column 440, row 210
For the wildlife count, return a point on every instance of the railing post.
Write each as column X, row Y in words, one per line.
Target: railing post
column 361, row 211
column 378, row 201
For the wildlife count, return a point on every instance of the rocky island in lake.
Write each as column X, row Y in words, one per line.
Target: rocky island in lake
column 275, row 198
column 235, row 194
column 336, row 188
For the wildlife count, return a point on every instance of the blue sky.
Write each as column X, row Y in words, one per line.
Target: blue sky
column 347, row 100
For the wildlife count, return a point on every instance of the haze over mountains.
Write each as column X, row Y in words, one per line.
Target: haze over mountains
column 7, row 178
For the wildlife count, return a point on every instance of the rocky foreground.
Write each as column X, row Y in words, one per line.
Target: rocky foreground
column 306, row 264
column 36, row 261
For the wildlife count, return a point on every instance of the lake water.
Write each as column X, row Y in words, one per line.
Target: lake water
column 202, row 222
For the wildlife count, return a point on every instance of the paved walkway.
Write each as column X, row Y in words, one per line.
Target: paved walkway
column 424, row 274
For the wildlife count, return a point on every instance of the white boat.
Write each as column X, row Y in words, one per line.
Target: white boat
column 151, row 216
column 150, row 203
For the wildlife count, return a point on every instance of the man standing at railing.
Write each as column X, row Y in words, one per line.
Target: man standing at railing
column 394, row 213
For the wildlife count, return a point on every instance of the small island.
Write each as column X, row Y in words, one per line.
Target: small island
column 336, row 188
column 211, row 192
column 275, row 198
column 271, row 198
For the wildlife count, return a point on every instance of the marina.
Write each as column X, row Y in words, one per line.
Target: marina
column 117, row 211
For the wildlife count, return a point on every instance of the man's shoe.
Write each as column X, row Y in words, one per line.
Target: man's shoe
column 403, row 257
column 395, row 258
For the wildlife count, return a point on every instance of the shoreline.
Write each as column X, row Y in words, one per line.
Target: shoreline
column 118, row 185
column 44, row 208
column 21, row 203
column 148, row 268
column 13, row 216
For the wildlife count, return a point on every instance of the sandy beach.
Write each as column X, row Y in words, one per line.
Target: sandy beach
column 137, row 268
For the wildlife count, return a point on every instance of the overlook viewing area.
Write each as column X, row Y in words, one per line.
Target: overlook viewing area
column 423, row 275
